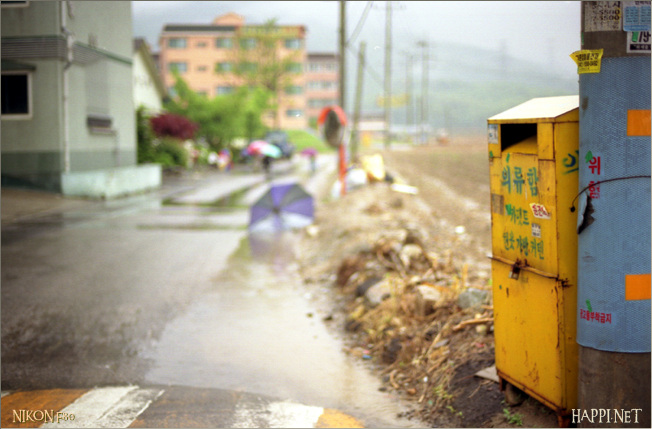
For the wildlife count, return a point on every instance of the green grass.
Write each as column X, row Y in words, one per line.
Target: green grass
column 514, row 419
column 303, row 139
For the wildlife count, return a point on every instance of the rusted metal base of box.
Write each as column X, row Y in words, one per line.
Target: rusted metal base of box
column 563, row 416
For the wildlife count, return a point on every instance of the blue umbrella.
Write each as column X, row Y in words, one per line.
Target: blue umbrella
column 283, row 206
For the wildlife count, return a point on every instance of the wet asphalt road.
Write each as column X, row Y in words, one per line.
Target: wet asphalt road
column 85, row 292
column 168, row 289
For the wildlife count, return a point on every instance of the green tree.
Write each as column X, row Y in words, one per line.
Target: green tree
column 144, row 137
column 165, row 151
column 225, row 117
column 258, row 60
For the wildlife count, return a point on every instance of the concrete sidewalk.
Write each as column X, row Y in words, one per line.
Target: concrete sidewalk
column 22, row 204
column 188, row 186
column 184, row 187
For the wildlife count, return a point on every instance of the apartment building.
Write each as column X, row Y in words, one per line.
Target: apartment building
column 207, row 56
column 322, row 83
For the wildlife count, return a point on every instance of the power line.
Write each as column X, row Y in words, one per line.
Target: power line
column 368, row 69
column 361, row 22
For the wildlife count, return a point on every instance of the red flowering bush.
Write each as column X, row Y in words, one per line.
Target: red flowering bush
column 171, row 125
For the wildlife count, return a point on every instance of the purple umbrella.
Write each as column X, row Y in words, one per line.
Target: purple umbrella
column 309, row 151
column 285, row 206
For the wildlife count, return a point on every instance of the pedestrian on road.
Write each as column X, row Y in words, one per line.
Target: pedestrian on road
column 267, row 165
column 313, row 163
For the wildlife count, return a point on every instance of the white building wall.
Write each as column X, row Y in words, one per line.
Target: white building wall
column 145, row 92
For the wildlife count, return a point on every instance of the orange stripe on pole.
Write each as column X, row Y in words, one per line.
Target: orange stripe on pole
column 342, row 153
column 36, row 400
column 637, row 287
column 638, row 123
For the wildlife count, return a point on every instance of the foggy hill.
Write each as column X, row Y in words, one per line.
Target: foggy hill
column 467, row 84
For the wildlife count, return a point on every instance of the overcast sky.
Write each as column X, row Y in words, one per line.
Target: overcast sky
column 545, row 32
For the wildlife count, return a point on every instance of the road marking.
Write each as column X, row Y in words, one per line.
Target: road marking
column 16, row 405
column 108, row 407
column 335, row 419
column 124, row 406
column 276, row 415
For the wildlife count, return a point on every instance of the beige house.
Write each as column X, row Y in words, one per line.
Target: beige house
column 322, row 83
column 149, row 91
column 206, row 57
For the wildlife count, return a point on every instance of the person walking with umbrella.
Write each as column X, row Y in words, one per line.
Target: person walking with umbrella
column 267, row 151
column 267, row 166
column 311, row 153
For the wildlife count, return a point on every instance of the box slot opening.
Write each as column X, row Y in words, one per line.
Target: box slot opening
column 510, row 134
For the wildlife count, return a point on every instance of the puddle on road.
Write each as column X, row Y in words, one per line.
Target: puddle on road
column 260, row 330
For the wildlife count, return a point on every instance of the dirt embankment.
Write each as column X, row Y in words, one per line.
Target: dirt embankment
column 421, row 252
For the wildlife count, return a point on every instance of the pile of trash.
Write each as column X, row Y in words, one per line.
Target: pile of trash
column 413, row 313
column 411, row 305
column 370, row 169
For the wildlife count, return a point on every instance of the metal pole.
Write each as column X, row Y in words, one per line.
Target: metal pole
column 408, row 94
column 355, row 141
column 342, row 95
column 424, row 90
column 342, row 44
column 388, row 74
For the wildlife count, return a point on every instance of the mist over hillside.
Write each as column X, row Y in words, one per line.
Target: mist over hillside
column 466, row 85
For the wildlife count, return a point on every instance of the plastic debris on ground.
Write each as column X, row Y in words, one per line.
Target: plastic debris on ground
column 402, row 299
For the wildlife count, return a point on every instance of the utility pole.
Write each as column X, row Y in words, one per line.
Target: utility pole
column 409, row 113
column 424, row 89
column 388, row 74
column 614, row 357
column 342, row 98
column 355, row 141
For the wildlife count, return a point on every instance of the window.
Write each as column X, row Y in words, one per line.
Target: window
column 172, row 92
column 294, row 67
column 319, row 103
column 202, row 68
column 223, row 42
column 15, row 3
column 180, row 67
column 17, row 95
column 100, row 123
column 247, row 67
column 224, row 67
column 314, row 67
column 323, row 85
column 176, row 43
column 201, row 44
column 293, row 89
column 293, row 43
column 222, row 90
column 248, row 43
column 294, row 113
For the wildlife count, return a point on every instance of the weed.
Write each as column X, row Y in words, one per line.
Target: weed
column 441, row 392
column 454, row 411
column 514, row 419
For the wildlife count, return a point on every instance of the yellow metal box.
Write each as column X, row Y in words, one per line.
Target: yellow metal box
column 533, row 155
